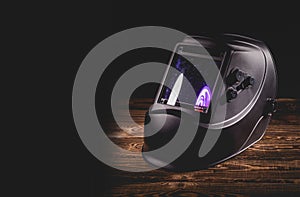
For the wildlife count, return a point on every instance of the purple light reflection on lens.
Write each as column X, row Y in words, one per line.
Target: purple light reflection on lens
column 204, row 97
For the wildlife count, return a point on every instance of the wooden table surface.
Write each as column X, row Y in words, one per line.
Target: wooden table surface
column 270, row 167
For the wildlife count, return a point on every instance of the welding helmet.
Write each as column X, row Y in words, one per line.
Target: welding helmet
column 233, row 105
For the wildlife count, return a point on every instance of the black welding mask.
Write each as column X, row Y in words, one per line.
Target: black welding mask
column 233, row 106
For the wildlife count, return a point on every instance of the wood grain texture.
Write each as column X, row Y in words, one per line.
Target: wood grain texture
column 270, row 167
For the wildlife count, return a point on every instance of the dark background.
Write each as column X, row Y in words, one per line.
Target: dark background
column 53, row 40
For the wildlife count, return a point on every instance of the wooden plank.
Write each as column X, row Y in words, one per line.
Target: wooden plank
column 270, row 167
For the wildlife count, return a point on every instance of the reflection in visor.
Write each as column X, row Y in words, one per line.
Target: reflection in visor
column 203, row 99
column 175, row 91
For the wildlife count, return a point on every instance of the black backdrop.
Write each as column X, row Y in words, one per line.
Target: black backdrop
column 276, row 25
column 58, row 37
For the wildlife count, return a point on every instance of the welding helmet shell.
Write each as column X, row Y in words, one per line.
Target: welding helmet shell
column 246, row 98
